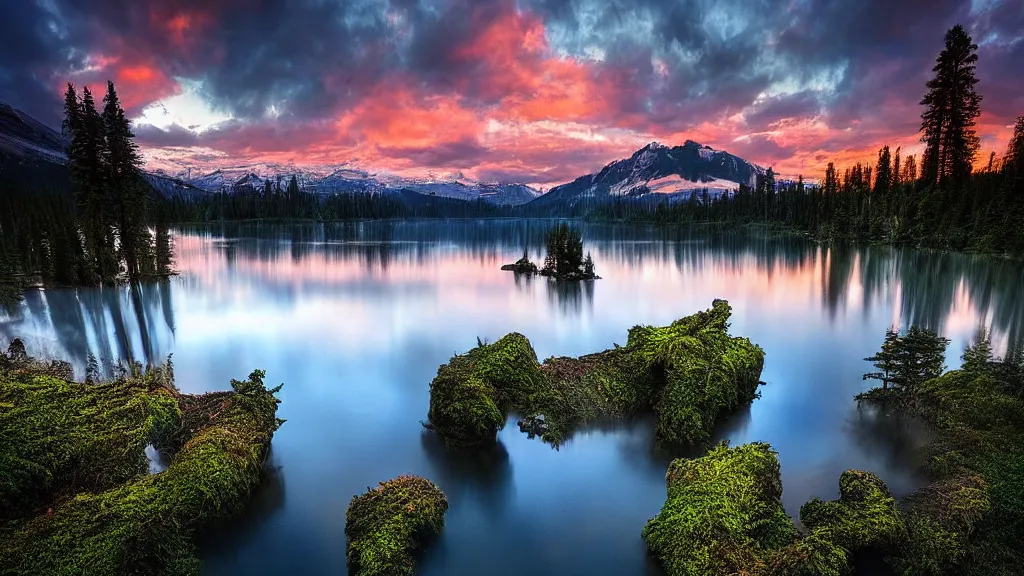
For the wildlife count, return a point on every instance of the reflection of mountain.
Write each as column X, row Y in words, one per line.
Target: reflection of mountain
column 925, row 287
column 378, row 260
column 114, row 324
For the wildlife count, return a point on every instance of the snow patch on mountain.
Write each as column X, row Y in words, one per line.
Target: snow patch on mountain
column 676, row 184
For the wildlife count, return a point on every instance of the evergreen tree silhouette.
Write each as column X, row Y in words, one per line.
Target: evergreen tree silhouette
column 951, row 107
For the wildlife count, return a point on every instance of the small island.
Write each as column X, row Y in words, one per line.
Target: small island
column 76, row 495
column 564, row 261
column 691, row 374
column 386, row 525
column 521, row 266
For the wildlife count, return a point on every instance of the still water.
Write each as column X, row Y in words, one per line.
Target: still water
column 355, row 318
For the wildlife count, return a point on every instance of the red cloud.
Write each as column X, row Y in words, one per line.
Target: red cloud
column 517, row 110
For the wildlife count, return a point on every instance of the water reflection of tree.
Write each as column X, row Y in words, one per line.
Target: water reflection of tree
column 927, row 283
column 523, row 282
column 571, row 297
column 114, row 324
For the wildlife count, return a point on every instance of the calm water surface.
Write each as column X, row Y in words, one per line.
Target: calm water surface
column 355, row 319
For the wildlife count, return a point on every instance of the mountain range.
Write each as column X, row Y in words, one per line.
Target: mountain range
column 654, row 171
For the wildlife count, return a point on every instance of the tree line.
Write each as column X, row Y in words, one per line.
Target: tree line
column 937, row 201
column 95, row 232
column 278, row 201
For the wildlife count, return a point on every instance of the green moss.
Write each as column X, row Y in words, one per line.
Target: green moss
column 128, row 522
column 722, row 515
column 58, row 436
column 691, row 373
column 471, row 395
column 865, row 517
column 386, row 525
column 941, row 519
column 971, row 519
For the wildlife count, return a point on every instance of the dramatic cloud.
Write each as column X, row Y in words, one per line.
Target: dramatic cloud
column 539, row 91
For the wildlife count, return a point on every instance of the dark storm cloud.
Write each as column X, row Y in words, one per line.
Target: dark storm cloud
column 654, row 67
column 30, row 53
column 802, row 104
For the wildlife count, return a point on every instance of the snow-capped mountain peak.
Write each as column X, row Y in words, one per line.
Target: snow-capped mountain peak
column 659, row 169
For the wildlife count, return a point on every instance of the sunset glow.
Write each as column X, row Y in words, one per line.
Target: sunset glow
column 526, row 91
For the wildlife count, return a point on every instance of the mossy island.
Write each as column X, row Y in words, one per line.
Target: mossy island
column 690, row 374
column 388, row 524
column 76, row 495
column 564, row 260
column 723, row 515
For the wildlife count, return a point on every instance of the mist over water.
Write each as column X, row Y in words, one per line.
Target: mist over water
column 355, row 318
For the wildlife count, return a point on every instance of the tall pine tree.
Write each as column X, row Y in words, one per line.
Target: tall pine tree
column 951, row 107
column 126, row 188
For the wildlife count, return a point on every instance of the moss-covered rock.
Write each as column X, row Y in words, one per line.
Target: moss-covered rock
column 62, row 437
column 722, row 515
column 387, row 525
column 106, row 515
column 521, row 266
column 941, row 519
column 471, row 395
column 691, row 373
column 865, row 517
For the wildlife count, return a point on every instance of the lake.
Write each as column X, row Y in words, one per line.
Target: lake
column 355, row 318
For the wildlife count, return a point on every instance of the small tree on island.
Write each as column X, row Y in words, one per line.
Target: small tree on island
column 565, row 254
column 885, row 359
column 905, row 362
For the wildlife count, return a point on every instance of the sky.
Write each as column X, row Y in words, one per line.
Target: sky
column 534, row 91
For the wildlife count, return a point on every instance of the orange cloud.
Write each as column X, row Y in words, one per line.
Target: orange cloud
column 518, row 110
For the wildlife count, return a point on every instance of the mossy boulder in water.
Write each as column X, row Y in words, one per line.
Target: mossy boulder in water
column 722, row 514
column 74, row 454
column 691, row 373
column 50, row 427
column 471, row 395
column 864, row 518
column 386, row 525
column 707, row 373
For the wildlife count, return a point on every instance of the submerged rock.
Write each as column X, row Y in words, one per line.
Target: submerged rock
column 75, row 469
column 690, row 373
column 386, row 525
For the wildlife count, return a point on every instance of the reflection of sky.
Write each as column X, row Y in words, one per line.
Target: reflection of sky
column 356, row 320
